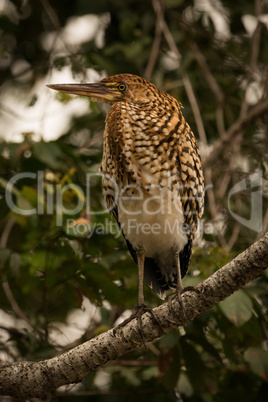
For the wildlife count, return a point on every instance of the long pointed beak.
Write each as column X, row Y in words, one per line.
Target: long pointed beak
column 98, row 92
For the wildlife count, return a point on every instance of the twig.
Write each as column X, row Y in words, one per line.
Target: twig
column 164, row 28
column 195, row 108
column 154, row 51
column 254, row 55
column 5, row 285
column 56, row 22
column 52, row 15
column 6, row 232
column 225, row 180
column 220, row 120
column 14, row 305
column 234, row 236
column 264, row 225
column 214, row 86
column 212, row 203
column 185, row 79
column 256, row 111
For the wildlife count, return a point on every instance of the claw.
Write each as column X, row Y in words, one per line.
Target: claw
column 140, row 310
column 190, row 289
column 177, row 295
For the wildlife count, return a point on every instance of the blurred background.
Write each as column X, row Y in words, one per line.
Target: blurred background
column 66, row 274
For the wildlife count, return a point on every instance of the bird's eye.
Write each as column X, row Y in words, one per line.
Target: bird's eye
column 121, row 87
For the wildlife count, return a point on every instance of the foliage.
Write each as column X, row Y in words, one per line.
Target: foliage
column 51, row 261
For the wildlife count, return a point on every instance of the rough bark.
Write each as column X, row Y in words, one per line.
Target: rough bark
column 39, row 379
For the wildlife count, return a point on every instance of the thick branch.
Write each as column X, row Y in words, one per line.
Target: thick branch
column 38, row 379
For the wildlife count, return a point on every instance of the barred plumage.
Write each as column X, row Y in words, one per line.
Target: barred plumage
column 152, row 176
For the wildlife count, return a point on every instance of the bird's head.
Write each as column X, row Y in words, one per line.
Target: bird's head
column 117, row 88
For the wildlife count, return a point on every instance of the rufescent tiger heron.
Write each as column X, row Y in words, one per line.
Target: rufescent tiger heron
column 152, row 177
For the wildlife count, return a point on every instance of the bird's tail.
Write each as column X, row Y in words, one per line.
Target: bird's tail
column 154, row 273
column 155, row 279
column 162, row 278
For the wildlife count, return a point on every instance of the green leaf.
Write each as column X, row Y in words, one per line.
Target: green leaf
column 150, row 373
column 184, row 385
column 237, row 308
column 29, row 194
column 33, row 100
column 168, row 341
column 49, row 153
column 258, row 361
column 22, row 203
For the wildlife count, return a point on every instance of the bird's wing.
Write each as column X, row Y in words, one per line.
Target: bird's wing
column 191, row 191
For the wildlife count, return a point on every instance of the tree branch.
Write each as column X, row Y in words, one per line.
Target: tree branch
column 5, row 285
column 162, row 25
column 214, row 86
column 256, row 111
column 38, row 379
column 154, row 50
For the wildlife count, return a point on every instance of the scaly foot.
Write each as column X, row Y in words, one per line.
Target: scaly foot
column 140, row 310
column 177, row 295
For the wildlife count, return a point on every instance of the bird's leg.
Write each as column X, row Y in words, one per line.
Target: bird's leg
column 140, row 259
column 179, row 288
column 141, row 307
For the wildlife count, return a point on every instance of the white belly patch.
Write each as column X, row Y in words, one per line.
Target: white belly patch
column 153, row 222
